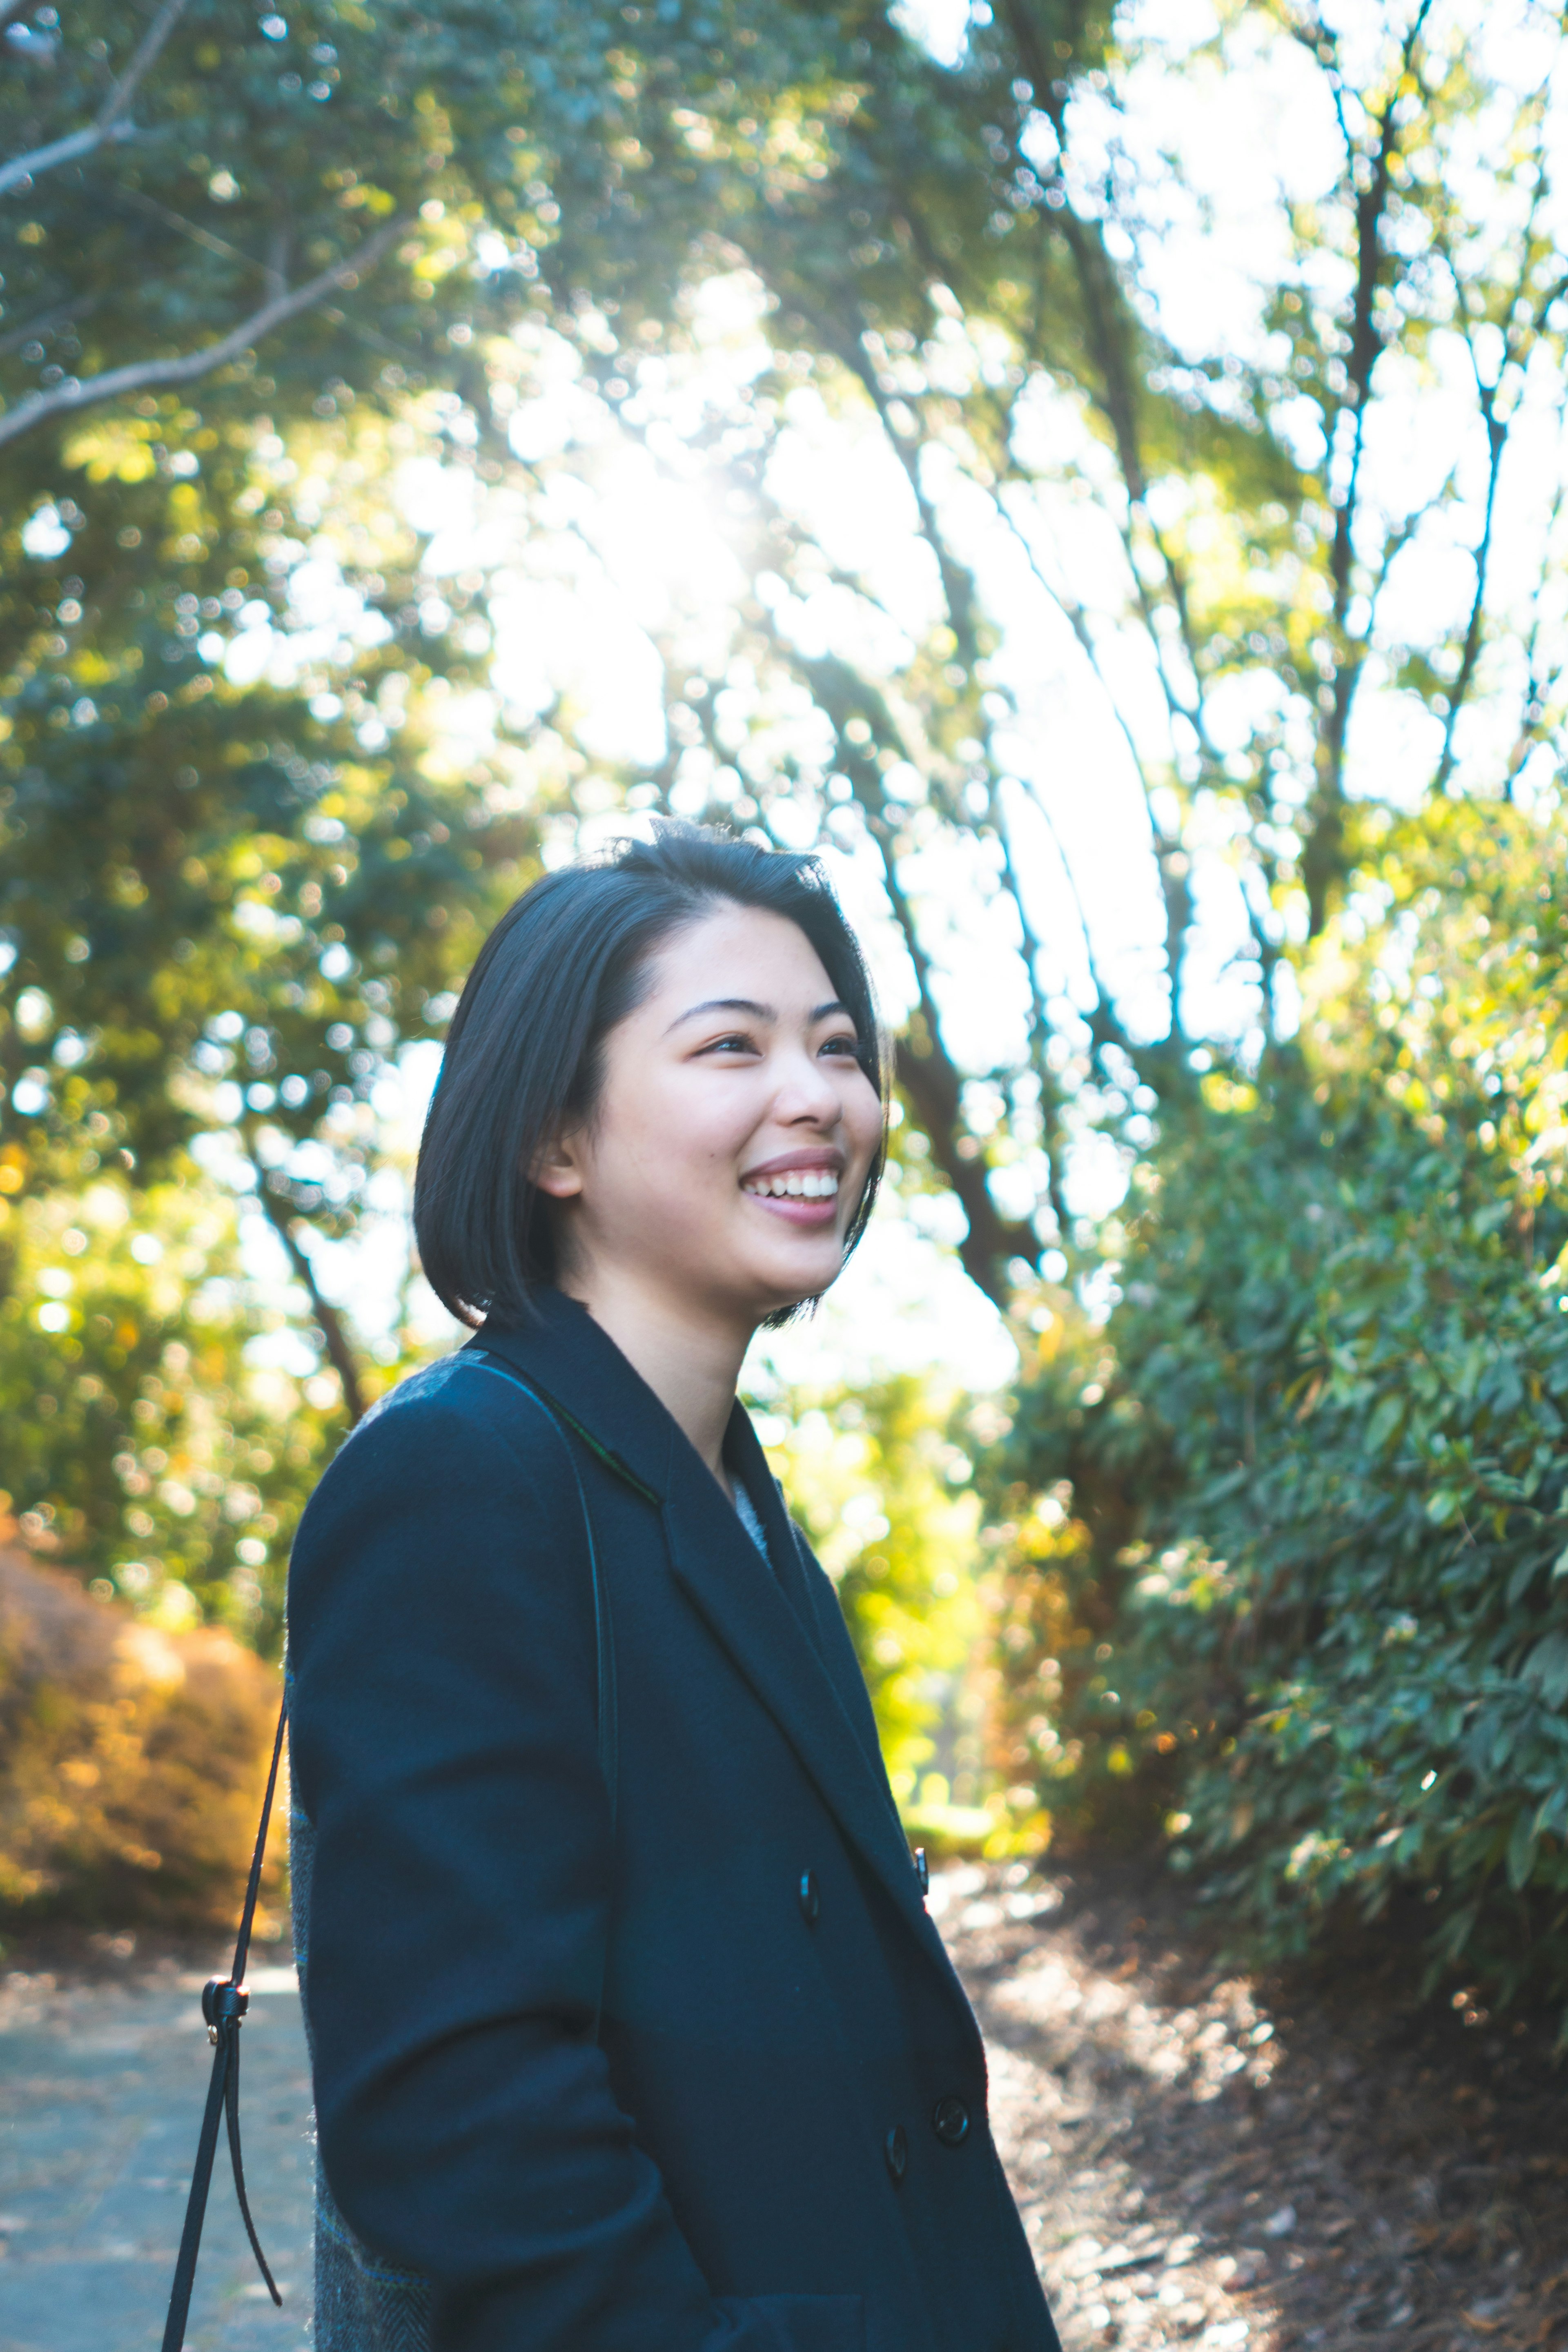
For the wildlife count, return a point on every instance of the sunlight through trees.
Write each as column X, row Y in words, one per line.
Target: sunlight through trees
column 1096, row 474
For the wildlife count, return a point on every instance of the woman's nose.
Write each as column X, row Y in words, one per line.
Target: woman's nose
column 808, row 1093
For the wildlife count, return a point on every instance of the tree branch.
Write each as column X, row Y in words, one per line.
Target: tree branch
column 925, row 1069
column 59, row 150
column 1321, row 856
column 68, row 398
column 1535, row 723
column 1106, row 331
column 1170, row 857
column 1497, row 426
column 204, row 237
column 64, row 314
column 1496, row 442
column 157, row 33
column 330, row 1321
column 957, row 586
column 110, row 123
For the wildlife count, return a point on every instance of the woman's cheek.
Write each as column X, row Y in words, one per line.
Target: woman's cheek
column 864, row 1117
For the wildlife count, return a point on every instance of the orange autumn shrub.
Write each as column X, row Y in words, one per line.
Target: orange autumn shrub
column 133, row 1761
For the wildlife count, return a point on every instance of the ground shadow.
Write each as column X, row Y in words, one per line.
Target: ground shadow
column 1213, row 2156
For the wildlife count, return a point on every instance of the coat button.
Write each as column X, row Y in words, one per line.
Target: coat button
column 950, row 2121
column 810, row 1898
column 896, row 2148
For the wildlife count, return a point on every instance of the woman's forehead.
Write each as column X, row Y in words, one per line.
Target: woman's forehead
column 741, row 953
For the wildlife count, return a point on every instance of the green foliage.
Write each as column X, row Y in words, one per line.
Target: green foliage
column 223, row 913
column 246, row 853
column 249, row 848
column 141, row 1447
column 1056, row 1519
column 497, row 141
column 190, row 946
column 1319, row 1471
column 882, row 1490
column 243, row 862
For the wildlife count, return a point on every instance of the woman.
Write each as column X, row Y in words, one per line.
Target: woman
column 630, row 2032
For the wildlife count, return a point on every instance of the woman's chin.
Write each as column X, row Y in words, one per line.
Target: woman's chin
column 804, row 1274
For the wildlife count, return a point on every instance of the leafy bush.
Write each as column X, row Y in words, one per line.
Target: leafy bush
column 133, row 1761
column 1309, row 1597
column 881, row 1485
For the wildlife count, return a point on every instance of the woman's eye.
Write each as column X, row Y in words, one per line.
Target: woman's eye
column 841, row 1045
column 735, row 1044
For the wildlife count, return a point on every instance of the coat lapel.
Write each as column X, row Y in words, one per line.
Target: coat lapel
column 808, row 1586
column 747, row 1609
column 750, row 1610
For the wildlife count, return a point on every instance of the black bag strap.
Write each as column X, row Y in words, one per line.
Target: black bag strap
column 224, row 2005
column 604, row 1630
column 224, row 2002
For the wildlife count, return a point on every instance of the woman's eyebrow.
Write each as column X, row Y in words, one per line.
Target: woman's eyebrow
column 724, row 1004
column 749, row 1006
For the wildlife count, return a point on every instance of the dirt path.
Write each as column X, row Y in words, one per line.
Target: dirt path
column 1227, row 2162
column 1201, row 2161
column 103, row 2072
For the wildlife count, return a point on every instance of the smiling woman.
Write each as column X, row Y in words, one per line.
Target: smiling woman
column 629, row 2027
column 728, row 1155
column 686, row 962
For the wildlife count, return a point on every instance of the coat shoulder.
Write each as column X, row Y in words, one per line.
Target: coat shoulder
column 449, row 1414
column 451, row 1448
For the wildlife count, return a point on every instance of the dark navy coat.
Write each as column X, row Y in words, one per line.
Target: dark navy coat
column 777, row 2142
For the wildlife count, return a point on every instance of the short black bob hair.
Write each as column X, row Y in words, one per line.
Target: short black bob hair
column 563, row 966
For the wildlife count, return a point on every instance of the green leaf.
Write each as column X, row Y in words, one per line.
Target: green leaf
column 1522, row 1851
column 1552, row 1813
column 1547, row 1668
column 1385, row 1423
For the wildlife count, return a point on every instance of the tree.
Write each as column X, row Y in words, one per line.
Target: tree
column 185, row 844
column 196, row 859
column 111, row 123
column 246, row 858
column 205, row 879
column 956, row 269
column 1310, row 1614
column 241, row 867
column 967, row 261
column 142, row 1450
column 175, row 174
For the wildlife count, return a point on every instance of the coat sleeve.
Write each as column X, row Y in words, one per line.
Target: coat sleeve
column 444, row 1748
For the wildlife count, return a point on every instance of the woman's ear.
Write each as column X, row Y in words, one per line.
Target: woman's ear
column 557, row 1169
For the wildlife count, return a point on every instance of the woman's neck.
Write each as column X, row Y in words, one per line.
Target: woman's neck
column 690, row 1362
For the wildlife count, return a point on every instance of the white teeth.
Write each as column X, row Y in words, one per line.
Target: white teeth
column 797, row 1184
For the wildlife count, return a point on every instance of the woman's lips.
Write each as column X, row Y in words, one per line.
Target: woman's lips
column 803, row 1195
column 816, row 1216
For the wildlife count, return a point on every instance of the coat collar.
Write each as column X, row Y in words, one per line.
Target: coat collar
column 758, row 1616
column 580, row 1368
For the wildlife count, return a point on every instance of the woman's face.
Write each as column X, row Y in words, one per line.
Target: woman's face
column 733, row 1133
